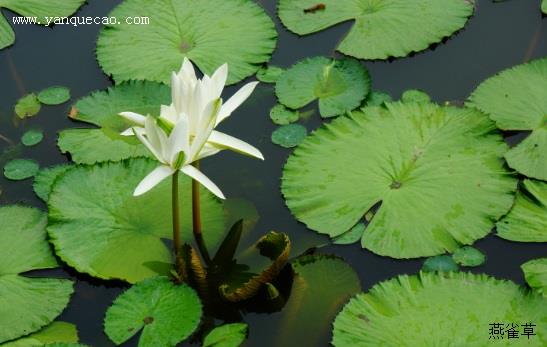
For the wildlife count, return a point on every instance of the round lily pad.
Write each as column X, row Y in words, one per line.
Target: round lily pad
column 516, row 99
column 27, row 304
column 442, row 263
column 353, row 235
column 21, row 169
column 269, row 74
column 227, row 335
column 437, row 173
column 209, row 33
column 58, row 334
column 439, row 309
column 54, row 95
column 382, row 28
column 32, row 137
column 527, row 220
column 377, row 98
column 414, row 95
column 165, row 312
column 282, row 116
column 27, row 106
column 535, row 272
column 289, row 136
column 94, row 219
column 44, row 179
column 339, row 85
column 468, row 256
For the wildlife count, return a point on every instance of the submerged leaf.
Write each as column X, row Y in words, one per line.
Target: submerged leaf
column 535, row 272
column 468, row 256
column 27, row 106
column 166, row 313
column 209, row 33
column 442, row 309
column 281, row 115
column 382, row 28
column 21, row 169
column 56, row 334
column 437, row 172
column 43, row 181
column 32, row 137
column 443, row 263
column 269, row 74
column 54, row 95
column 289, row 136
column 227, row 335
column 339, row 85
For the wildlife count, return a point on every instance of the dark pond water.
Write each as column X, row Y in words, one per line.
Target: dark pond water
column 500, row 35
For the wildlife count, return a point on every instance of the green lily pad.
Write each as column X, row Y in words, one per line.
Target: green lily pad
column 544, row 6
column 44, row 179
column 54, row 95
column 269, row 74
column 102, row 108
column 20, row 169
column 55, row 334
column 27, row 304
column 339, row 85
column 209, row 33
column 289, row 136
column 378, row 98
column 414, row 95
column 34, row 8
column 437, row 171
column 439, row 309
column 516, row 99
column 32, row 137
column 227, row 335
column 535, row 272
column 281, row 115
column 443, row 263
column 27, row 106
column 382, row 28
column 527, row 221
column 353, row 235
column 166, row 313
column 94, row 219
column 468, row 256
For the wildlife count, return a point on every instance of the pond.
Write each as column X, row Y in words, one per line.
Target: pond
column 500, row 35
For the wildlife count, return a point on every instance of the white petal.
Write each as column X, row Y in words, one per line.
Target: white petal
column 153, row 179
column 218, row 80
column 132, row 131
column 208, row 124
column 179, row 140
column 176, row 95
column 155, row 151
column 201, row 178
column 187, row 71
column 169, row 113
column 236, row 100
column 134, row 117
column 229, row 142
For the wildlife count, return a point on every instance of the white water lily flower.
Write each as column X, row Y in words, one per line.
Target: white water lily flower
column 190, row 97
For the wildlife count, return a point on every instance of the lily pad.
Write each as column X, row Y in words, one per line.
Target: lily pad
column 43, row 181
column 209, row 33
column 269, row 74
column 437, row 171
column 378, row 98
column 339, row 85
column 54, row 95
column 468, row 256
column 382, row 28
column 20, row 169
column 27, row 304
column 353, row 235
column 544, row 6
column 516, row 99
column 227, row 335
column 415, row 95
column 535, row 272
column 527, row 221
column 282, row 116
column 55, row 334
column 441, row 309
column 34, row 8
column 166, row 313
column 32, row 137
column 88, row 146
column 443, row 263
column 94, row 220
column 289, row 136
column 27, row 106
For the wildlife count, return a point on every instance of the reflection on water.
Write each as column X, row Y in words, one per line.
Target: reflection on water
column 500, row 35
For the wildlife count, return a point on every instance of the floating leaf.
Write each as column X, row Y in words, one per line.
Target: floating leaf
column 27, row 304
column 32, row 137
column 227, row 335
column 43, row 181
column 535, row 272
column 442, row 263
column 54, row 95
column 27, row 106
column 544, row 6
column 339, row 85
column 377, row 98
column 34, row 8
column 527, row 221
column 210, row 33
column 414, row 95
column 382, row 28
column 441, row 309
column 289, row 135
column 353, row 235
column 94, row 218
column 516, row 99
column 282, row 116
column 101, row 108
column 437, row 171
column 468, row 256
column 166, row 313
column 20, row 169
column 269, row 74
column 56, row 334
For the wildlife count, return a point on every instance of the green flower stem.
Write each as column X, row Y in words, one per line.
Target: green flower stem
column 196, row 220
column 179, row 261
